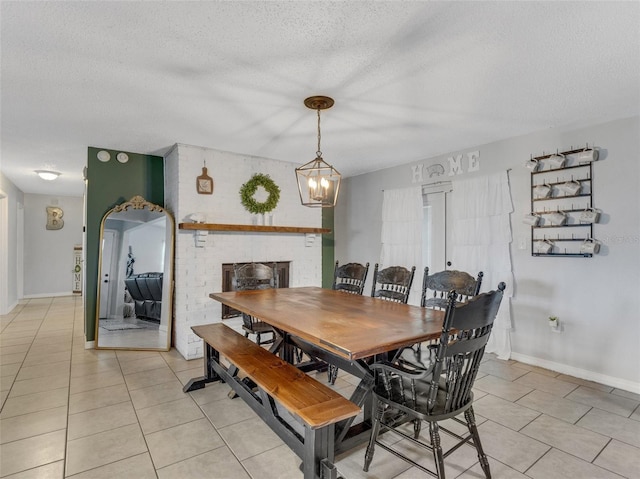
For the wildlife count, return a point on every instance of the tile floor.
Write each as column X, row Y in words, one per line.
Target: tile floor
column 71, row 412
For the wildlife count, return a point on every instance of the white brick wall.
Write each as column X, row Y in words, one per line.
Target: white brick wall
column 198, row 270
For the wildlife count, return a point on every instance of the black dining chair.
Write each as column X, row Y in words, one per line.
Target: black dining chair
column 436, row 287
column 436, row 390
column 435, row 290
column 253, row 276
column 392, row 283
column 350, row 277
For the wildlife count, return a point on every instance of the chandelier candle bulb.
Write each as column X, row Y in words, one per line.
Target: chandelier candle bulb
column 318, row 189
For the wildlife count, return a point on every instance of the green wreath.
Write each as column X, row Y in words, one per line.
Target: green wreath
column 249, row 189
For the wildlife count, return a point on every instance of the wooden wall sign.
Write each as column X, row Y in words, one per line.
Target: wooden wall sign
column 204, row 183
column 77, row 269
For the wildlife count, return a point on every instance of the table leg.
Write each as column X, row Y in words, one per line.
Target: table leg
column 288, row 351
column 347, row 435
column 314, row 446
column 318, row 453
column 209, row 373
column 286, row 348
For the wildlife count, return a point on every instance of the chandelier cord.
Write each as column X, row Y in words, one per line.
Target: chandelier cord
column 319, row 153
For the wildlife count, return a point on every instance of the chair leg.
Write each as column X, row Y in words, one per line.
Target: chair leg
column 378, row 411
column 437, row 448
column 418, row 352
column 332, row 374
column 417, row 426
column 482, row 457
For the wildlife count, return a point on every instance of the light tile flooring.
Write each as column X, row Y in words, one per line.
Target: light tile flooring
column 71, row 412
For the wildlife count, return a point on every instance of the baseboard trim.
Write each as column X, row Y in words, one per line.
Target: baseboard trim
column 11, row 307
column 47, row 295
column 89, row 345
column 614, row 382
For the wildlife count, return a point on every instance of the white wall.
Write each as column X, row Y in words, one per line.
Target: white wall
column 12, row 205
column 147, row 242
column 48, row 264
column 198, row 270
column 597, row 299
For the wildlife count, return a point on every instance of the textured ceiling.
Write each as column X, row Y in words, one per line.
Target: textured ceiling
column 411, row 79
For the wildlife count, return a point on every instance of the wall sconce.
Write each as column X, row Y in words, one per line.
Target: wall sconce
column 47, row 174
column 318, row 182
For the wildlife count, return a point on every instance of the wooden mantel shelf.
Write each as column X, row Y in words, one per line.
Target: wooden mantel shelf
column 251, row 228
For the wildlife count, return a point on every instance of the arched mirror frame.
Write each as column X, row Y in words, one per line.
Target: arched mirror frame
column 139, row 203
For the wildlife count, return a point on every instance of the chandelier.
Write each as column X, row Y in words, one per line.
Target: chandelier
column 318, row 182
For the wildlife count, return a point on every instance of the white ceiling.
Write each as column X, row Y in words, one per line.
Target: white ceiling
column 411, row 79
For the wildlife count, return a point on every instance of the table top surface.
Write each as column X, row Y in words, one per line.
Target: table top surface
column 351, row 326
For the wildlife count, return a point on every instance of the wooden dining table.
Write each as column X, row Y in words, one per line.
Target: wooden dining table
column 336, row 328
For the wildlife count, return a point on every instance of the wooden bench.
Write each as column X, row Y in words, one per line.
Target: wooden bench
column 314, row 405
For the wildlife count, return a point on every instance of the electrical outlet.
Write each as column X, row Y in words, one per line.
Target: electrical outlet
column 522, row 243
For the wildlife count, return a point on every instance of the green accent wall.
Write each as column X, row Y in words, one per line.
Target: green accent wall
column 108, row 184
column 328, row 248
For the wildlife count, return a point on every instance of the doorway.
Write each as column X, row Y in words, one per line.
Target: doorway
column 436, row 231
column 106, row 276
column 4, row 254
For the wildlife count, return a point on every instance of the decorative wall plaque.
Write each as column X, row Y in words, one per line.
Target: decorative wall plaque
column 204, row 183
column 54, row 218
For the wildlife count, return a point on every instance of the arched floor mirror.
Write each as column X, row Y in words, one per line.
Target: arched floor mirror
column 135, row 279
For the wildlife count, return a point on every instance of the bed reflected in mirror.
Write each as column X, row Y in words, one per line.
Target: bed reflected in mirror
column 135, row 279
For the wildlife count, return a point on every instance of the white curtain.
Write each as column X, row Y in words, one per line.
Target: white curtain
column 402, row 217
column 481, row 209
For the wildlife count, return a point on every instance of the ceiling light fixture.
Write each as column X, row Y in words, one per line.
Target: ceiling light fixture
column 47, row 174
column 318, row 182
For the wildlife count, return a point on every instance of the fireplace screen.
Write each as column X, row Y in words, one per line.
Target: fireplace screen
column 227, row 284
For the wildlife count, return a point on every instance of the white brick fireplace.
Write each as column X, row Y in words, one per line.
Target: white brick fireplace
column 198, row 264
